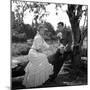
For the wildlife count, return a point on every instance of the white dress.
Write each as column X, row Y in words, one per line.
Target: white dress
column 38, row 69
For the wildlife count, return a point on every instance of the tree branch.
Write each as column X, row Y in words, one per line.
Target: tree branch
column 83, row 34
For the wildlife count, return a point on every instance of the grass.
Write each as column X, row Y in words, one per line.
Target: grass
column 22, row 49
column 18, row 49
column 63, row 79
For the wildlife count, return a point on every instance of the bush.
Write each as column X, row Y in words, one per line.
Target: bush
column 20, row 32
column 20, row 49
column 19, row 37
column 29, row 31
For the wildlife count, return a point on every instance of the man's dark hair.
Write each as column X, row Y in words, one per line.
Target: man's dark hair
column 61, row 23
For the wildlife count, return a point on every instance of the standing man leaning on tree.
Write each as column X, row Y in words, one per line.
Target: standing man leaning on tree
column 64, row 48
column 64, row 39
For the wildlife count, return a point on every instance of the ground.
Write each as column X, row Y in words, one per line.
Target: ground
column 63, row 78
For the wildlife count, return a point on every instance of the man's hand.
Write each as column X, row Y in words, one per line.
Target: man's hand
column 59, row 35
column 62, row 48
column 68, row 47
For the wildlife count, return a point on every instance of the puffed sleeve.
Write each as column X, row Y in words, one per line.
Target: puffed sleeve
column 46, row 46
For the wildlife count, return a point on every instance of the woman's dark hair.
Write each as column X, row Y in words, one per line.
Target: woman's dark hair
column 61, row 23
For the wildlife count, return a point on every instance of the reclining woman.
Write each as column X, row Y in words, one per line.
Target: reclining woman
column 38, row 69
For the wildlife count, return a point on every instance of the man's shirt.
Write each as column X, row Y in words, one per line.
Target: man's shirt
column 65, row 37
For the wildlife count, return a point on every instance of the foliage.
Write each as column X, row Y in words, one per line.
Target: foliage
column 34, row 7
column 18, row 49
column 20, row 32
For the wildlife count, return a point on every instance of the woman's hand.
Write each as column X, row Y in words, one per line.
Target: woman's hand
column 50, row 50
column 39, row 50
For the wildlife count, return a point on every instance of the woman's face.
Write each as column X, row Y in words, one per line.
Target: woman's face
column 41, row 31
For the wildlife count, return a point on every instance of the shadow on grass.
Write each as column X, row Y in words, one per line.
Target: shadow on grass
column 61, row 80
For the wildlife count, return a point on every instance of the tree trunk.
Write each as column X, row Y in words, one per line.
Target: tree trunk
column 74, row 13
column 76, row 57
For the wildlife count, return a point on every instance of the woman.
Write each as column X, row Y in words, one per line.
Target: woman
column 38, row 69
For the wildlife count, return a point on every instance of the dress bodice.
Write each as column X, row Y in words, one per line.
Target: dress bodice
column 39, row 43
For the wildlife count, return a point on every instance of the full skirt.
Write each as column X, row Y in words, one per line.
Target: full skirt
column 37, row 71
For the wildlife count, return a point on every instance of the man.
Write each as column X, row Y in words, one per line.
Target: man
column 64, row 38
column 64, row 49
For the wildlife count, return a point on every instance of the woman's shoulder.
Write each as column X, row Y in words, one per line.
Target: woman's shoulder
column 37, row 36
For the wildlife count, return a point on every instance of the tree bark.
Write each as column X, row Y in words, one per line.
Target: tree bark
column 74, row 20
column 76, row 57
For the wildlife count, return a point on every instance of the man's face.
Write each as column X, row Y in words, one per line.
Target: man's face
column 60, row 27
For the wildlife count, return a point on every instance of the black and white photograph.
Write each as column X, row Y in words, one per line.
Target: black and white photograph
column 49, row 44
